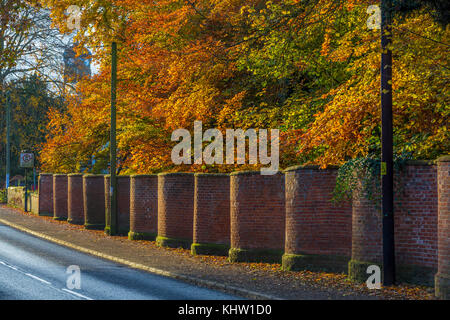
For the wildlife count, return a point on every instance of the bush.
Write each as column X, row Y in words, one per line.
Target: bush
column 3, row 196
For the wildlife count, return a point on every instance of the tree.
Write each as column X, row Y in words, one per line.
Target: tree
column 309, row 68
column 31, row 100
column 28, row 43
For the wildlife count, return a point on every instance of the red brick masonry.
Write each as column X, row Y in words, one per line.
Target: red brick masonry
column 253, row 214
column 442, row 279
column 175, row 209
column 75, row 199
column 45, row 187
column 143, row 207
column 123, row 202
column 60, row 196
column 211, row 213
column 257, row 215
column 94, row 201
column 415, row 214
column 317, row 229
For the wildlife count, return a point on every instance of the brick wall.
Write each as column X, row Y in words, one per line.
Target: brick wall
column 75, row 205
column 94, row 201
column 175, row 209
column 257, row 216
column 211, row 213
column 107, row 186
column 60, row 196
column 317, row 228
column 45, row 189
column 263, row 210
column 442, row 279
column 143, row 207
column 415, row 214
column 366, row 229
column 123, row 203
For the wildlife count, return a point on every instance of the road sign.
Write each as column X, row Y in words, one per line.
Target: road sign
column 26, row 160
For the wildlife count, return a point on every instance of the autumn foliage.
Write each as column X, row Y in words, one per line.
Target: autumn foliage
column 308, row 68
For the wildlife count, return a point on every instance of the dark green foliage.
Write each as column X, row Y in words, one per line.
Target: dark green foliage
column 439, row 9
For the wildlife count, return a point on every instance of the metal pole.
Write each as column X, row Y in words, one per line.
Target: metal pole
column 387, row 146
column 113, row 180
column 8, row 133
column 26, row 192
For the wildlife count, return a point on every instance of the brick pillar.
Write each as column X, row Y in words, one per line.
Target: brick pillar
column 60, row 197
column 257, row 217
column 442, row 278
column 123, row 203
column 75, row 214
column 367, row 236
column 94, row 201
column 143, row 207
column 211, row 214
column 318, row 231
column 175, row 209
column 45, row 189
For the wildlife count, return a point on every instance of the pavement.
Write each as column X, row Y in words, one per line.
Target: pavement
column 234, row 280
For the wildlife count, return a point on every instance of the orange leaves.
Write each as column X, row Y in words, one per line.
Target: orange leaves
column 313, row 73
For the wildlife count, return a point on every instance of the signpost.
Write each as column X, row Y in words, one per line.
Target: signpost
column 26, row 161
column 8, row 134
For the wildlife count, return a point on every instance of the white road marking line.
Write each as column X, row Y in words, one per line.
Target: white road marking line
column 37, row 278
column 46, row 282
column 76, row 294
column 9, row 266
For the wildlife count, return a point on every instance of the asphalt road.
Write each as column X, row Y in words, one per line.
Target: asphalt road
column 35, row 269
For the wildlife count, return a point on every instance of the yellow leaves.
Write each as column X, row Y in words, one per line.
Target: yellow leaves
column 177, row 67
column 326, row 44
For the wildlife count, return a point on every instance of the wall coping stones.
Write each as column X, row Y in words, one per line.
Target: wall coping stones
column 309, row 167
column 242, row 173
column 420, row 162
column 443, row 159
column 213, row 174
column 143, row 175
column 163, row 174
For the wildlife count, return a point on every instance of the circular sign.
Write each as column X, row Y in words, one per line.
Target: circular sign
column 27, row 160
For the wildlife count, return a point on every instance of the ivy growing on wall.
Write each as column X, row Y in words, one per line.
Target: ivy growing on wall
column 364, row 175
